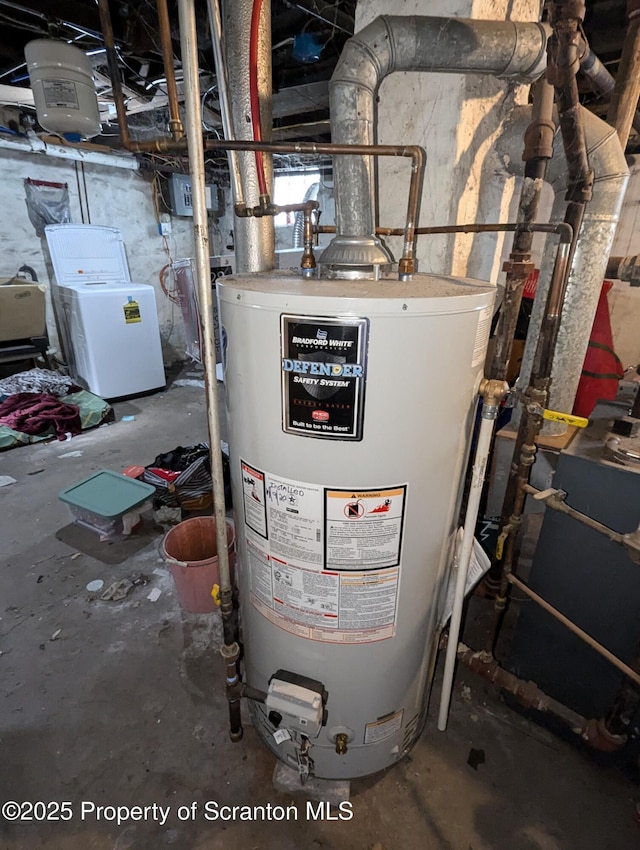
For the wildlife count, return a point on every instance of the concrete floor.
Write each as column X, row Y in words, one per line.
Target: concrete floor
column 125, row 706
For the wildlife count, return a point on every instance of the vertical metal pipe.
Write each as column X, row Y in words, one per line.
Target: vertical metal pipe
column 492, row 393
column 624, row 100
column 393, row 43
column 254, row 237
column 114, row 71
column 590, row 258
column 215, row 22
column 193, row 116
column 561, row 71
column 538, row 150
column 175, row 122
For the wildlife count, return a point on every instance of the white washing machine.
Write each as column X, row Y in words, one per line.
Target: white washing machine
column 109, row 325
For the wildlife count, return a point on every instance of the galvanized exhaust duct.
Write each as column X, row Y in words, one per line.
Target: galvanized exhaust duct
column 593, row 247
column 503, row 49
column 254, row 237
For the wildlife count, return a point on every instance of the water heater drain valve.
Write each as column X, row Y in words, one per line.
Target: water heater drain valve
column 296, row 703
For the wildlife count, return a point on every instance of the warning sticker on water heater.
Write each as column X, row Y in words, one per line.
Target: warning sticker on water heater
column 323, row 376
column 383, row 728
column 363, row 529
column 342, row 589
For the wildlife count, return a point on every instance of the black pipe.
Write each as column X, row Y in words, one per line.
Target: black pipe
column 563, row 64
column 538, row 151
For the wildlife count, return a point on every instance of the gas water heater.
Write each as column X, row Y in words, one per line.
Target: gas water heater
column 350, row 406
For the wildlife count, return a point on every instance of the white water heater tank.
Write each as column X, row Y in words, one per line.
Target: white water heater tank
column 63, row 89
column 350, row 408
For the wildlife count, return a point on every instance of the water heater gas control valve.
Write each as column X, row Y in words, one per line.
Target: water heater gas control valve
column 296, row 703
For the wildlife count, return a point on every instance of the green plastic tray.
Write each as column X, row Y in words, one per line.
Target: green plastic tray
column 107, row 494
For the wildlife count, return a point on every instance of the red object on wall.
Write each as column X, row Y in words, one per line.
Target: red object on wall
column 602, row 368
column 531, row 284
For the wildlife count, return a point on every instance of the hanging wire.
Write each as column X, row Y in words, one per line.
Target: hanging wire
column 209, row 129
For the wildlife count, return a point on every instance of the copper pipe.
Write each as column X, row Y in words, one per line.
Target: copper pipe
column 406, row 266
column 592, row 642
column 175, row 123
column 308, row 260
column 274, row 209
column 163, row 144
column 563, row 229
column 624, row 100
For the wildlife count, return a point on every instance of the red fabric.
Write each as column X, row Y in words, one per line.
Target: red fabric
column 602, row 369
column 531, row 284
column 37, row 413
column 169, row 475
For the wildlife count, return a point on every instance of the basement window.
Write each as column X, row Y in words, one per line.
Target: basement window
column 291, row 189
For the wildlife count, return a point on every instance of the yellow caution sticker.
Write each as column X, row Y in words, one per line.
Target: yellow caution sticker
column 567, row 418
column 131, row 312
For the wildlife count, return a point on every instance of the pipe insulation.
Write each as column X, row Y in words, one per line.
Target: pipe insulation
column 215, row 24
column 505, row 49
column 593, row 247
column 254, row 237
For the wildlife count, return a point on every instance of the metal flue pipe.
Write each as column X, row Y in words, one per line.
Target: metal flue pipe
column 592, row 250
column 215, row 23
column 254, row 237
column 411, row 43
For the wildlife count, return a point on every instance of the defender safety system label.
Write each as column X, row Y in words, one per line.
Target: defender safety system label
column 323, row 363
column 323, row 564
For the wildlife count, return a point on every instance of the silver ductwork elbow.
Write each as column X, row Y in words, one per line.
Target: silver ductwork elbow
column 593, row 247
column 505, row 49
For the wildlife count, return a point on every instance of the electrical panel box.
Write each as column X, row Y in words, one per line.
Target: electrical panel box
column 296, row 703
column 180, row 193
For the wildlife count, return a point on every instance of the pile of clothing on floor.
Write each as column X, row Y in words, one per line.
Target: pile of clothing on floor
column 40, row 404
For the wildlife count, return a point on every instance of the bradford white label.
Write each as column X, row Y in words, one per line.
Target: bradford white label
column 323, row 376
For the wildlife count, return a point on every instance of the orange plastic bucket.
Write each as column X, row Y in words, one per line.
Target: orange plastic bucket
column 191, row 550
